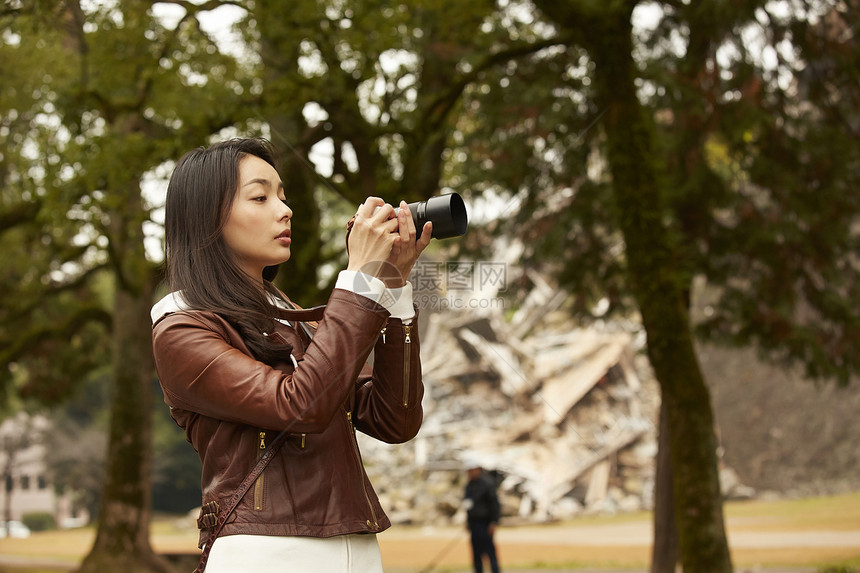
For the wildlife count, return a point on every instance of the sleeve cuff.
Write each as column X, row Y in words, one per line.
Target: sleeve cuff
column 397, row 301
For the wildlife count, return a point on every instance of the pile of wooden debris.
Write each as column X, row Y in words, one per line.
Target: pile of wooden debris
column 566, row 418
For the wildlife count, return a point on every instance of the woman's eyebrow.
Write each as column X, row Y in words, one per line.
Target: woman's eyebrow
column 263, row 182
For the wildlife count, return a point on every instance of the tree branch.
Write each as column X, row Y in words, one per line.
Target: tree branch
column 441, row 106
column 23, row 342
column 54, row 290
column 18, row 214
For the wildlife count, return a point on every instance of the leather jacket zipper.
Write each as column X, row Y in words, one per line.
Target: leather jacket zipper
column 375, row 524
column 407, row 362
column 258, row 486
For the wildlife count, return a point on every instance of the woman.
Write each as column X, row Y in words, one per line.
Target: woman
column 238, row 367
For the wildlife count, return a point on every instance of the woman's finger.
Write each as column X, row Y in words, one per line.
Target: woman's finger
column 384, row 212
column 406, row 225
column 367, row 208
column 426, row 235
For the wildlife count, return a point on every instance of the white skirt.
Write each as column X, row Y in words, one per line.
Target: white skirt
column 356, row 553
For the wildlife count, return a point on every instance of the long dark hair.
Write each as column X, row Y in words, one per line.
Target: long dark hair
column 199, row 263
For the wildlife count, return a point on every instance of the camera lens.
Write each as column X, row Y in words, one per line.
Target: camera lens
column 446, row 212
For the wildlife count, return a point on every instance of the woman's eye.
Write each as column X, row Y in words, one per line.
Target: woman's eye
column 259, row 199
column 286, row 202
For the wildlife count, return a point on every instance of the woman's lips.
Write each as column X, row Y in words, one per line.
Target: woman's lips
column 284, row 237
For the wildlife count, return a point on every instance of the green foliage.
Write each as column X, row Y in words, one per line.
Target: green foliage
column 176, row 466
column 39, row 521
column 113, row 98
column 773, row 221
column 758, row 171
column 104, row 94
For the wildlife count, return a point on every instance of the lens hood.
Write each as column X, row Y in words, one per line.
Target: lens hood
column 446, row 212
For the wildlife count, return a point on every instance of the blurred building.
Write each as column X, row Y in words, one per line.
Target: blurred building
column 26, row 487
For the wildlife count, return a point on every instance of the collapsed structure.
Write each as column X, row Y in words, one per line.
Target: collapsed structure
column 564, row 417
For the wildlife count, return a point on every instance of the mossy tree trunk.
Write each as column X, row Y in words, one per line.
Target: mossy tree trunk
column 658, row 286
column 282, row 101
column 664, row 553
column 657, row 276
column 122, row 539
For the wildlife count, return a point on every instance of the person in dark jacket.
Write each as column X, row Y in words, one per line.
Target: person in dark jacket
column 482, row 516
column 238, row 367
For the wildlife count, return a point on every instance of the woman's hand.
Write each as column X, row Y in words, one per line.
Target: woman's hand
column 372, row 237
column 383, row 244
column 406, row 248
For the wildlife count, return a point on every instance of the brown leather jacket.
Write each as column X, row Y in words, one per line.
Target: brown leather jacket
column 229, row 405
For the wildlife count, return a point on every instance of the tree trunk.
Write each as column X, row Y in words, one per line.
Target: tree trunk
column 298, row 276
column 8, row 484
column 657, row 287
column 122, row 540
column 664, row 555
column 279, row 25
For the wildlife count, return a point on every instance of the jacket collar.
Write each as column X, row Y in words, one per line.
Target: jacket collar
column 173, row 302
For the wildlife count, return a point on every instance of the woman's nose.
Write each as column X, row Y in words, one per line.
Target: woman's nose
column 286, row 212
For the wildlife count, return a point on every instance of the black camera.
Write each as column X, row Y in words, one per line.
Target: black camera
column 446, row 212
